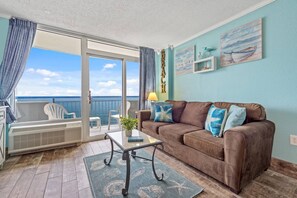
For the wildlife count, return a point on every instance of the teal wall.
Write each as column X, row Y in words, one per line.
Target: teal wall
column 271, row 81
column 3, row 35
column 169, row 75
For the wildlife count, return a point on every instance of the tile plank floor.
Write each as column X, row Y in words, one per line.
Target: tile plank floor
column 62, row 173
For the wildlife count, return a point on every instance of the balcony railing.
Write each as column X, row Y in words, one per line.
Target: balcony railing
column 31, row 108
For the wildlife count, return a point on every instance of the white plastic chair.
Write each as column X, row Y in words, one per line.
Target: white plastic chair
column 55, row 111
column 118, row 115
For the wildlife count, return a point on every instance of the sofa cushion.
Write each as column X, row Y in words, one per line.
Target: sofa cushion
column 254, row 112
column 153, row 126
column 177, row 109
column 236, row 117
column 175, row 132
column 151, row 133
column 204, row 142
column 153, row 108
column 195, row 113
column 215, row 121
column 163, row 113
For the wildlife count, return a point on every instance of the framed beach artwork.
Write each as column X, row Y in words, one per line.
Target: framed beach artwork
column 242, row 44
column 184, row 59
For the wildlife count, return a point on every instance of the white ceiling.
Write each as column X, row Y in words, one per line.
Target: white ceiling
column 151, row 23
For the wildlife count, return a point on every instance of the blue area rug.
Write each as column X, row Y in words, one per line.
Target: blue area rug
column 108, row 181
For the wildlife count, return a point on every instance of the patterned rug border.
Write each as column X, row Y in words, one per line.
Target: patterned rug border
column 156, row 158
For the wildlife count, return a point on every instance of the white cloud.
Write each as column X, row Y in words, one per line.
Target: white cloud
column 133, row 81
column 45, row 72
column 107, row 83
column 115, row 92
column 74, row 92
column 33, row 84
column 69, row 84
column 31, row 70
column 132, row 92
column 23, row 92
column 107, row 92
column 109, row 66
column 44, row 83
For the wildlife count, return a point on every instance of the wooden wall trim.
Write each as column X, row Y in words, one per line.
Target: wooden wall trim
column 284, row 167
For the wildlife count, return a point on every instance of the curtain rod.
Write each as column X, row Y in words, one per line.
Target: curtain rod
column 97, row 39
column 91, row 37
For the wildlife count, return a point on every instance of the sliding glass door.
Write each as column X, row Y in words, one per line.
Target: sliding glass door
column 106, row 94
column 110, row 81
column 132, row 86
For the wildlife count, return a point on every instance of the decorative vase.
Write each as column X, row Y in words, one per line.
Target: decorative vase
column 128, row 133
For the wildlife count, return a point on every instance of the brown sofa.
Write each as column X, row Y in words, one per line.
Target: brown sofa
column 240, row 156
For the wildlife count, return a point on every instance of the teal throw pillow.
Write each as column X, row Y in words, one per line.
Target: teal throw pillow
column 236, row 117
column 163, row 113
column 153, row 108
column 215, row 121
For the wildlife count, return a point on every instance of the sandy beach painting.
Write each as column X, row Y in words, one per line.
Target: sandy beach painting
column 184, row 59
column 242, row 44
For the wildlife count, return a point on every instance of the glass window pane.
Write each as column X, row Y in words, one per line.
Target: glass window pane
column 106, row 91
column 132, row 86
column 49, row 76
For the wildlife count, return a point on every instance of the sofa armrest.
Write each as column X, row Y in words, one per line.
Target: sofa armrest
column 247, row 151
column 143, row 115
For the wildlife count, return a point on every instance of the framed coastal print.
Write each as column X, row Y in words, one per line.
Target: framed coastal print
column 242, row 44
column 184, row 59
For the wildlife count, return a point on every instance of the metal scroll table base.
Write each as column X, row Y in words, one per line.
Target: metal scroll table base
column 126, row 156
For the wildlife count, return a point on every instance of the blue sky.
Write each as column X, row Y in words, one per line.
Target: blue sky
column 51, row 73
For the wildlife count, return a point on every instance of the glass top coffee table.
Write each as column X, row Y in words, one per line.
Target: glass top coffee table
column 129, row 149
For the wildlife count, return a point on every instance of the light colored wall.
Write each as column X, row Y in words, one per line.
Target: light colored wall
column 3, row 35
column 271, row 81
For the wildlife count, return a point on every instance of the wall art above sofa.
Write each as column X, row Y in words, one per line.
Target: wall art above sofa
column 242, row 44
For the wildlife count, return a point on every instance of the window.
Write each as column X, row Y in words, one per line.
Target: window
column 52, row 74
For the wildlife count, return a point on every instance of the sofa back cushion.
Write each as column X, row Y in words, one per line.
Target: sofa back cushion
column 254, row 112
column 195, row 113
column 177, row 109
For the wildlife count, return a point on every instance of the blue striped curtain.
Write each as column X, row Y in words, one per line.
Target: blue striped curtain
column 147, row 77
column 20, row 38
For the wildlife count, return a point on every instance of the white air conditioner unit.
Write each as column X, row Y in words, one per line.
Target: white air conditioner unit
column 39, row 135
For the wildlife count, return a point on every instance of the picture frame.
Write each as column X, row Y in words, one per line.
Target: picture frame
column 184, row 59
column 242, row 44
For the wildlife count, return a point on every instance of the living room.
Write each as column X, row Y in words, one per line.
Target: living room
column 200, row 57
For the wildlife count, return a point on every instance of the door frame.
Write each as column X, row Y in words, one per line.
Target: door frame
column 85, row 84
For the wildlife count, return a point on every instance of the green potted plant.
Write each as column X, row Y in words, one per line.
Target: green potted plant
column 128, row 124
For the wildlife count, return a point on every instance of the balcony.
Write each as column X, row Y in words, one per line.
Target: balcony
column 31, row 109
